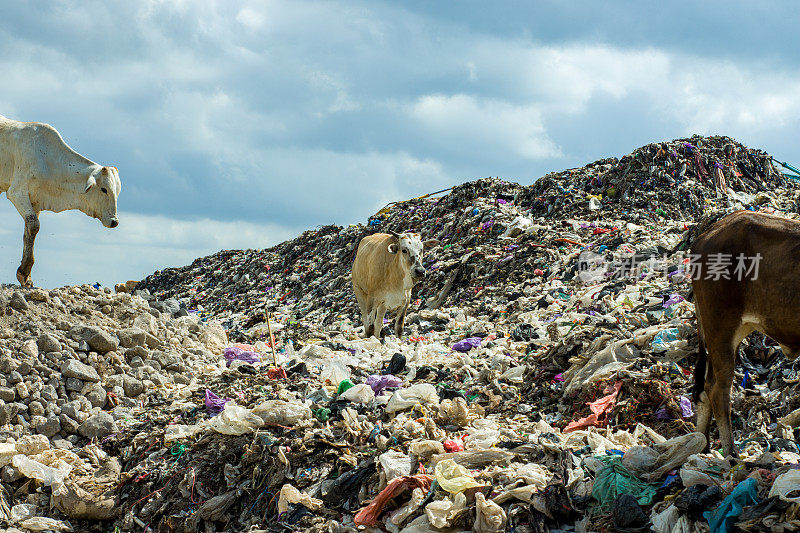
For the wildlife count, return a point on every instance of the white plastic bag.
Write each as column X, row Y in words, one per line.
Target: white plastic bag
column 489, row 517
column 422, row 393
column 281, row 412
column 235, row 420
column 787, row 486
column 334, row 372
column 395, row 464
column 40, row 472
column 361, row 393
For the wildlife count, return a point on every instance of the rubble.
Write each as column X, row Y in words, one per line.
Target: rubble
column 543, row 383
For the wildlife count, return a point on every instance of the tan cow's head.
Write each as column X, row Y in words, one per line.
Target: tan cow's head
column 102, row 190
column 410, row 248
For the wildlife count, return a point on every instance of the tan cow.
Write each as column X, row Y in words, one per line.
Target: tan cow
column 386, row 268
column 39, row 172
column 758, row 290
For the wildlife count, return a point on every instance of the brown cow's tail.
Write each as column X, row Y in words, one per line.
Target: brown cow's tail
column 700, row 371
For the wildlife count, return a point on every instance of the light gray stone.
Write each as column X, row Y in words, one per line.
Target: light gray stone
column 72, row 368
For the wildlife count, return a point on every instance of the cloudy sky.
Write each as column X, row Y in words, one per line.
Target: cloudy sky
column 239, row 124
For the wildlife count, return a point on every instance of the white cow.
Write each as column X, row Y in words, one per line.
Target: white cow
column 39, row 172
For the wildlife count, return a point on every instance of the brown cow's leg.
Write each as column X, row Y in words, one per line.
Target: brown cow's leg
column 26, row 265
column 720, row 399
column 704, row 406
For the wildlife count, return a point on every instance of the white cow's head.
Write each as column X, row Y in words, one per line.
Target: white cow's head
column 102, row 189
column 410, row 248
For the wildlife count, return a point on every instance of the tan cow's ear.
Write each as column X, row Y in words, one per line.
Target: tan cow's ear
column 392, row 248
column 430, row 242
column 91, row 182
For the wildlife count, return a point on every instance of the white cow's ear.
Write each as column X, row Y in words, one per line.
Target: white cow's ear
column 392, row 248
column 91, row 182
column 430, row 242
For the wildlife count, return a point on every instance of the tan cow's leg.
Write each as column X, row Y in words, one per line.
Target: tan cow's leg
column 400, row 321
column 362, row 305
column 22, row 202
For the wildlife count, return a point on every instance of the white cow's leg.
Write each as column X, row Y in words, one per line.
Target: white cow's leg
column 21, row 200
column 380, row 312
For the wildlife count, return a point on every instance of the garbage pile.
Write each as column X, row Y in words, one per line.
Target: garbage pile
column 543, row 383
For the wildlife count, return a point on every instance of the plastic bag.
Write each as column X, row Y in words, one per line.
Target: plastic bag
column 42, row 523
column 175, row 432
column 21, row 511
column 454, row 412
column 453, row 477
column 291, row 495
column 368, row 516
column 361, row 393
column 395, row 464
column 723, row 517
column 660, row 342
column 650, row 464
column 235, row 420
column 215, row 404
column 40, row 472
column 425, row 448
column 423, row 393
column 400, row 516
column 787, row 486
column 441, row 512
column 282, row 413
column 483, row 434
column 489, row 517
column 378, row 383
column 467, row 344
column 236, row 353
column 334, row 372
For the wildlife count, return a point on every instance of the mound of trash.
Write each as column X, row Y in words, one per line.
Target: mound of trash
column 543, row 383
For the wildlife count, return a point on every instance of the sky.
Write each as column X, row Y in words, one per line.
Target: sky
column 240, row 124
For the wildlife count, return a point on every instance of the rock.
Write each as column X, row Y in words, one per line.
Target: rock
column 73, row 368
column 18, row 301
column 146, row 322
column 100, row 340
column 8, row 412
column 215, row 338
column 73, row 384
column 32, row 444
column 132, row 386
column 22, row 390
column 14, row 377
column 48, row 427
column 48, row 343
column 30, row 349
column 95, row 394
column 98, row 426
column 8, row 364
column 35, row 408
column 131, row 337
column 8, row 394
column 9, row 474
column 38, row 295
column 68, row 424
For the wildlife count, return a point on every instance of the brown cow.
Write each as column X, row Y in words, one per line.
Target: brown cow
column 385, row 269
column 761, row 293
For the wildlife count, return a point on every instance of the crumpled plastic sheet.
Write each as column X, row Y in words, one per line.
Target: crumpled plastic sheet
column 599, row 408
column 368, row 516
column 235, row 353
column 685, row 405
column 215, row 404
column 467, row 344
column 379, row 383
column 614, row 479
column 721, row 519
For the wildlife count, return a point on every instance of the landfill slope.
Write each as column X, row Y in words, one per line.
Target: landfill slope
column 543, row 382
